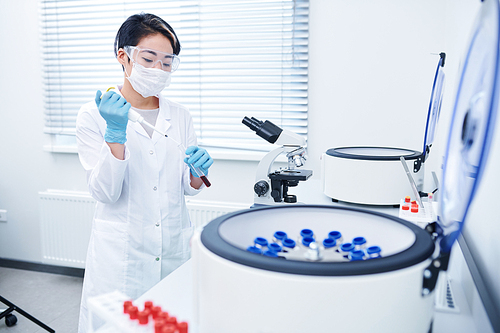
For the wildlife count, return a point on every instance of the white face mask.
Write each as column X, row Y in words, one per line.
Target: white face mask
column 148, row 81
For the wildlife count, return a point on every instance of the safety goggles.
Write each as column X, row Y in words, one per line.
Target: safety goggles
column 149, row 58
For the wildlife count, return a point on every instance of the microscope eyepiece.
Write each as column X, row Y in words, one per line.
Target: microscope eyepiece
column 266, row 130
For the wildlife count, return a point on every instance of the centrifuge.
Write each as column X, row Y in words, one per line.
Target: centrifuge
column 311, row 268
column 374, row 175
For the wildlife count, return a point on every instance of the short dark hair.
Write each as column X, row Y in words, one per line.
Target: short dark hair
column 141, row 25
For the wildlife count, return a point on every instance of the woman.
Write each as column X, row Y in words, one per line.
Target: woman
column 141, row 227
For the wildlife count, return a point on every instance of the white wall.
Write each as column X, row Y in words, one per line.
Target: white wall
column 371, row 71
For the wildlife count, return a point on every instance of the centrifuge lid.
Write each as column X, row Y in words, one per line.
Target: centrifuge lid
column 434, row 104
column 405, row 245
column 374, row 153
column 472, row 124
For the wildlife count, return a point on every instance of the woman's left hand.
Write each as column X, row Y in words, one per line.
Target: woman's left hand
column 198, row 158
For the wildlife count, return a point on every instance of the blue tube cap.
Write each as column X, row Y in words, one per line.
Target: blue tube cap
column 274, row 247
column 307, row 240
column 347, row 247
column 270, row 253
column 356, row 255
column 290, row 243
column 334, row 235
column 359, row 241
column 306, row 233
column 329, row 242
column 373, row 250
column 280, row 235
column 254, row 249
column 260, row 241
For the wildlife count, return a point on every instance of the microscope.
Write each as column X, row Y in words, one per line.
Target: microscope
column 272, row 187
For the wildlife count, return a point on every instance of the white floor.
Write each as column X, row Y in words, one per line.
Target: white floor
column 51, row 298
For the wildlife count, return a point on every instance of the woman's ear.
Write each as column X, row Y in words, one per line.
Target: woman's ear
column 122, row 57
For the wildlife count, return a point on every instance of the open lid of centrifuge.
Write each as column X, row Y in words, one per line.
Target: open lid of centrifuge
column 472, row 124
column 434, row 105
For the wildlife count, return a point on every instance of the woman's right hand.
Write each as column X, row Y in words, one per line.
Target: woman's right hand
column 114, row 109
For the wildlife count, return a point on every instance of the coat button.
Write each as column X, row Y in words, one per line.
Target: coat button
column 157, row 224
column 154, row 188
column 157, row 259
column 151, row 152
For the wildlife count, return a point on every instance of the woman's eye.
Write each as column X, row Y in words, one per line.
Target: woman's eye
column 166, row 65
column 147, row 60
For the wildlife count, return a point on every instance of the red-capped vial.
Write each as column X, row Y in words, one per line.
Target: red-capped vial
column 159, row 324
column 143, row 317
column 414, row 202
column 405, row 207
column 156, row 311
column 164, row 316
column 414, row 208
column 133, row 312
column 182, row 327
column 172, row 320
column 148, row 305
column 168, row 328
column 407, row 199
column 126, row 305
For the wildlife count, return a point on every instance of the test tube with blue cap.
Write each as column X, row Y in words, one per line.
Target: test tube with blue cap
column 359, row 243
column 136, row 117
column 374, row 252
column 329, row 243
column 336, row 235
column 346, row 248
column 279, row 236
column 260, row 242
column 356, row 255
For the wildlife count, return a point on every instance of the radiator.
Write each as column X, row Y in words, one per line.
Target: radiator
column 66, row 220
column 201, row 212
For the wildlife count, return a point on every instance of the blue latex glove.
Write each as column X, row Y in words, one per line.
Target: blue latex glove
column 199, row 158
column 114, row 109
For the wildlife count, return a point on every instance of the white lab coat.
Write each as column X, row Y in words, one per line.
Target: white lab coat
column 141, row 227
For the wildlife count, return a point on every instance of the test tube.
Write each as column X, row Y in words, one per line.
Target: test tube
column 307, row 233
column 359, row 243
column 201, row 175
column 346, row 248
column 279, row 236
column 274, row 247
column 254, row 249
column 289, row 243
column 336, row 235
column 260, row 242
column 356, row 255
column 329, row 243
column 307, row 240
column 373, row 252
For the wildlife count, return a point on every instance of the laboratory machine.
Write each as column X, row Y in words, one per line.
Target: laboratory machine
column 373, row 175
column 312, row 268
column 271, row 187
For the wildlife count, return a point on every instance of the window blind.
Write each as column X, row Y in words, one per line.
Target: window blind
column 238, row 58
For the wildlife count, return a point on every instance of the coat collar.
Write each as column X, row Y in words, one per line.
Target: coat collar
column 162, row 122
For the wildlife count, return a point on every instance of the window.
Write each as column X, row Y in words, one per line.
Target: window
column 238, row 58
